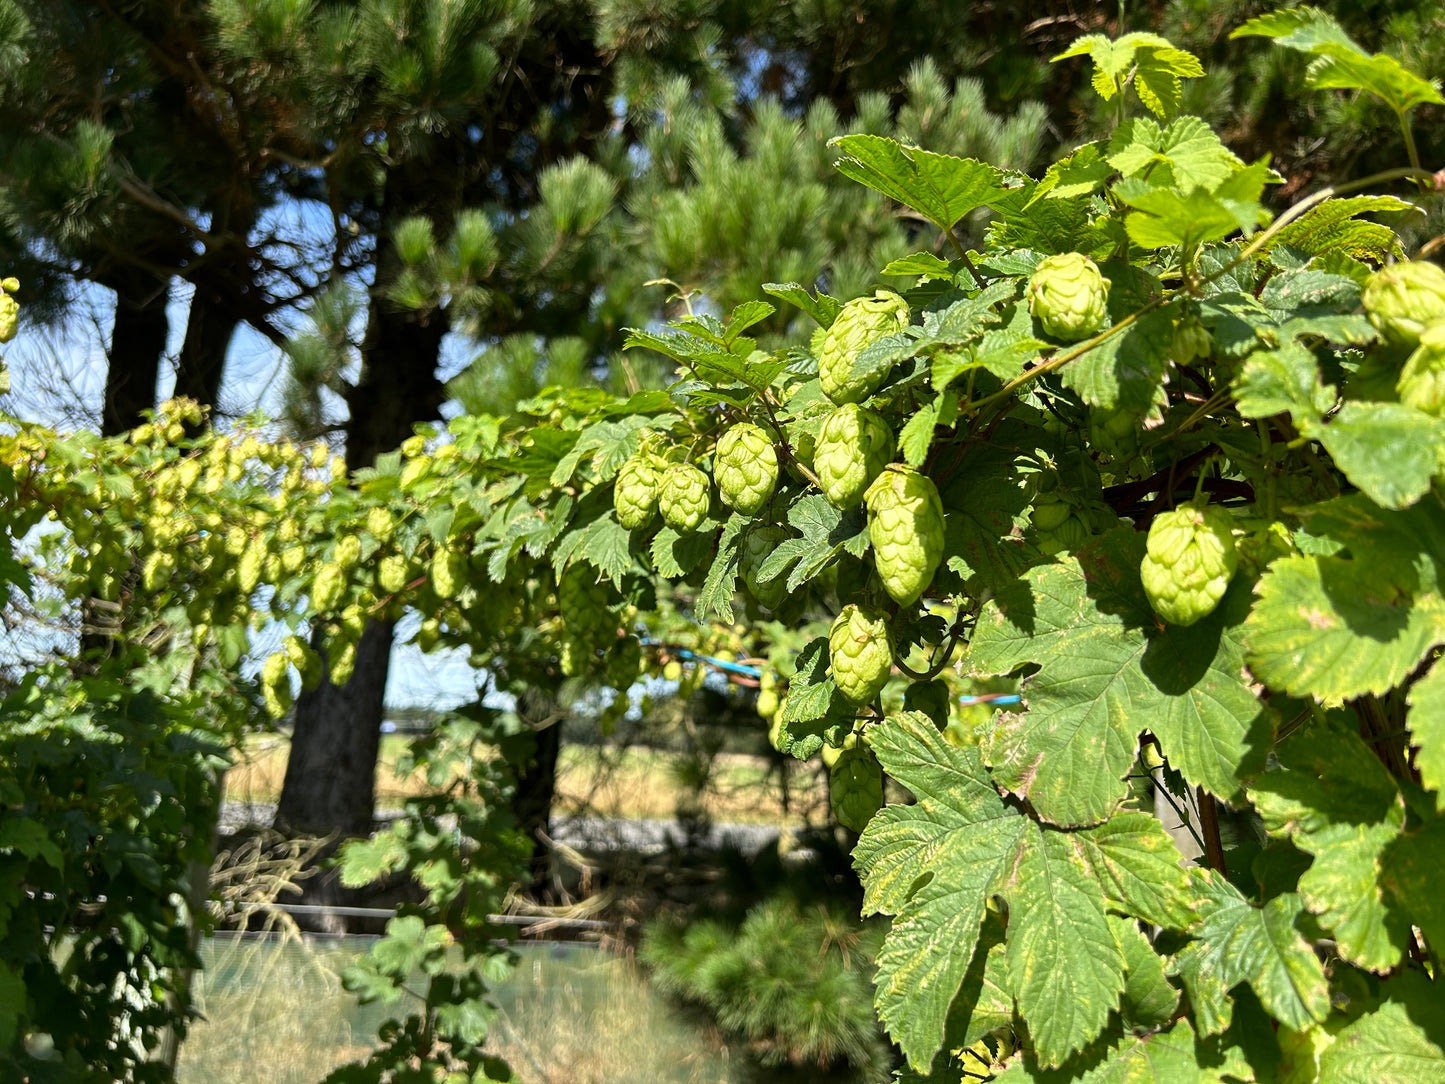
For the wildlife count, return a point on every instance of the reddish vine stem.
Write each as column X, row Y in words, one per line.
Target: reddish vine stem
column 1209, row 829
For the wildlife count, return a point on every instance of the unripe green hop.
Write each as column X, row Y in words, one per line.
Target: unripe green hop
column 634, row 493
column 379, row 523
column 1190, row 560
column 9, row 317
column 855, row 786
column 1422, row 380
column 391, row 573
column 158, row 569
column 745, row 465
column 1403, row 299
column 583, row 601
column 767, row 704
column 348, row 552
column 328, row 588
column 860, row 323
column 684, row 497
column 1068, row 296
column 448, row 572
column 905, row 525
column 756, row 546
column 1114, row 432
column 343, row 662
column 853, row 445
column 276, row 683
column 624, row 662
column 860, row 654
column 932, row 698
column 1191, row 340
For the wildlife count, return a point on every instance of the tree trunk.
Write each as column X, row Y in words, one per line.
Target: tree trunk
column 209, row 330
column 537, row 787
column 137, row 344
column 398, row 388
column 330, row 783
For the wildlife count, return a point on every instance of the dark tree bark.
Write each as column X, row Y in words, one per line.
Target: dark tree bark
column 537, row 786
column 330, row 783
column 137, row 344
column 209, row 329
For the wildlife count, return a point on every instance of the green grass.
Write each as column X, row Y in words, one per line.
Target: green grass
column 277, row 1014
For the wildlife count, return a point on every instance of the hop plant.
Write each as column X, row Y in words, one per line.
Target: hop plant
column 583, row 600
column 1422, row 380
column 855, row 784
column 756, row 546
column 932, row 698
column 1068, row 296
column 860, row 653
column 905, row 525
column 9, row 309
column 634, row 493
column 860, row 323
column 328, row 588
column 853, row 446
column 683, row 497
column 746, row 467
column 1190, row 560
column 1403, row 299
column 624, row 662
column 1191, row 340
column 448, row 572
column 1114, row 432
column 391, row 573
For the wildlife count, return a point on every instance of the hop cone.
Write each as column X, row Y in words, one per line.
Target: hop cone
column 757, row 545
column 853, row 446
column 1114, row 432
column 746, row 468
column 1189, row 563
column 624, row 662
column 1422, row 380
column 582, row 601
column 931, row 698
column 1403, row 299
column 860, row 654
column 634, row 493
column 855, row 786
column 861, row 322
column 905, row 525
column 683, row 497
column 1068, row 296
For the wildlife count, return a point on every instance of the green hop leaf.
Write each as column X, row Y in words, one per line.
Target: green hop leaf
column 583, row 600
column 860, row 653
column 905, row 525
column 861, row 322
column 746, row 467
column 634, row 494
column 1422, row 380
column 1403, row 299
column 855, row 785
column 757, row 545
column 683, row 497
column 853, row 446
column 1189, row 563
column 1068, row 296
